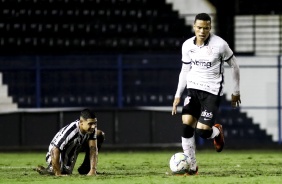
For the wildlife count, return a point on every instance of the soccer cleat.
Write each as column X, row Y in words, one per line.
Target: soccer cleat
column 188, row 173
column 219, row 140
column 192, row 172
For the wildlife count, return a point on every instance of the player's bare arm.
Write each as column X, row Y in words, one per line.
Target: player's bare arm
column 174, row 105
column 55, row 156
column 93, row 157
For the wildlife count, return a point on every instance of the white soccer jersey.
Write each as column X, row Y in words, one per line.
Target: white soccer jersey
column 203, row 66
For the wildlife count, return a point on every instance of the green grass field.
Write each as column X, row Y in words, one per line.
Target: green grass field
column 152, row 168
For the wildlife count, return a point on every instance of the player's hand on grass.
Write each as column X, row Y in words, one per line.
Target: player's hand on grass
column 43, row 171
column 60, row 174
column 174, row 106
column 235, row 101
column 92, row 173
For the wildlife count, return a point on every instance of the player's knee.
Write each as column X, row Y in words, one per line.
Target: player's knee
column 204, row 133
column 100, row 138
column 188, row 131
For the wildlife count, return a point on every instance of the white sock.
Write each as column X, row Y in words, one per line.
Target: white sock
column 215, row 132
column 189, row 148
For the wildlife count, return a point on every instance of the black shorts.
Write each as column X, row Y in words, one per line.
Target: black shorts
column 202, row 105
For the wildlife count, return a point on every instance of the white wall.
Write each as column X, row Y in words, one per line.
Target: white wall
column 192, row 6
column 6, row 102
column 189, row 8
column 259, row 90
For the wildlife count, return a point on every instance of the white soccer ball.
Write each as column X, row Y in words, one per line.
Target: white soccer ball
column 179, row 163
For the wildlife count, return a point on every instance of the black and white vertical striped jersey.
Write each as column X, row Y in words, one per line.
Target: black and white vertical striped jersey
column 203, row 66
column 69, row 140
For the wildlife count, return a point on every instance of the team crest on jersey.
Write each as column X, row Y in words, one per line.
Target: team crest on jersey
column 212, row 50
column 209, row 50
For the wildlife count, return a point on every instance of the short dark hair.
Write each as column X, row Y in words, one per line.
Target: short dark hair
column 202, row 16
column 87, row 114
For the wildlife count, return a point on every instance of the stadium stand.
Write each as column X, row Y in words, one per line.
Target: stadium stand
column 36, row 28
column 258, row 7
column 75, row 26
column 240, row 128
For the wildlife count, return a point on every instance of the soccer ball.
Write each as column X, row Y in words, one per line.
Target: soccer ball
column 179, row 163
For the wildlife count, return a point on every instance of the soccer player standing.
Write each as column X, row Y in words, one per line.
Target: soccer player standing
column 80, row 135
column 203, row 57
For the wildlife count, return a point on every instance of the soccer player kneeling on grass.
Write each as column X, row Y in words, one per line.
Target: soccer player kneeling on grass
column 78, row 136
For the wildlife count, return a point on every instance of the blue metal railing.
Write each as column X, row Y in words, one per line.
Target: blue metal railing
column 118, row 67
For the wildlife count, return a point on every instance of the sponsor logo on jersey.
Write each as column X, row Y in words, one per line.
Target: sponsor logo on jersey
column 202, row 63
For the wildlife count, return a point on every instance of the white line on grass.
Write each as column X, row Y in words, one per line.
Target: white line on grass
column 16, row 167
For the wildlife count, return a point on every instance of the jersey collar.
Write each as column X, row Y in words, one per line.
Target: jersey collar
column 206, row 41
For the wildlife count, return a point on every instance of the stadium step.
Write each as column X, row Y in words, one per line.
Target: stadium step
column 6, row 102
column 6, row 107
column 3, row 90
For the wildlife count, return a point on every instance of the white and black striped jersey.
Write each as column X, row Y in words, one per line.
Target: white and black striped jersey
column 69, row 140
column 203, row 66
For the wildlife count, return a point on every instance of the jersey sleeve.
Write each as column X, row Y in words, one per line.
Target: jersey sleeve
column 64, row 136
column 182, row 79
column 186, row 65
column 185, row 53
column 227, row 53
column 61, row 140
column 228, row 56
column 232, row 62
